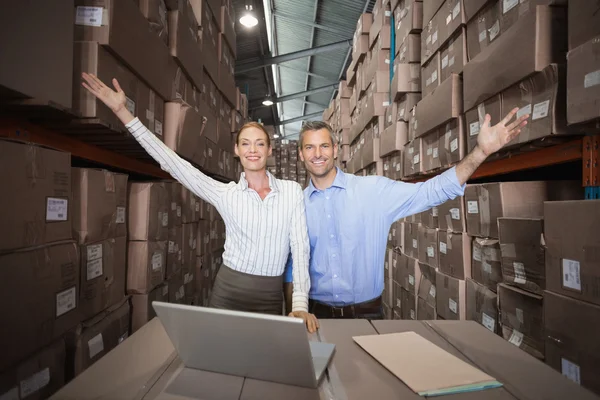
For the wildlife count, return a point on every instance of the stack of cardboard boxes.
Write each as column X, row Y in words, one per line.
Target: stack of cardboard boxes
column 287, row 162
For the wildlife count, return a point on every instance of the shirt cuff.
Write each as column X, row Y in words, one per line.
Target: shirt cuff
column 130, row 127
column 299, row 302
column 453, row 178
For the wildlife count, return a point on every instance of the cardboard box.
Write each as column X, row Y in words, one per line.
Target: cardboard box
column 472, row 7
column 94, row 338
column 190, row 245
column 381, row 17
column 148, row 211
column 430, row 75
column 571, row 341
column 176, row 288
column 41, row 64
column 377, row 66
column 121, row 27
column 408, row 18
column 475, row 117
column 99, row 205
column 141, row 306
column 433, row 33
column 412, row 158
column 409, row 305
column 426, row 299
column 444, row 104
column 484, row 28
column 175, row 209
column 185, row 45
column 583, row 82
column 49, row 275
column 151, row 110
column 541, row 36
column 411, row 238
column 482, row 306
column 452, row 142
column 210, row 43
column 430, row 8
column 227, row 70
column 487, row 265
column 429, row 218
column 103, row 271
column 572, row 265
column 523, row 253
column 455, row 254
column 393, row 138
column 453, row 55
column 174, row 251
column 228, row 25
column 451, row 299
column 39, row 207
column 406, row 79
column 522, row 319
column 146, row 266
column 155, row 11
column 452, row 215
column 409, row 51
column 406, row 104
column 408, row 272
column 542, row 96
column 431, row 151
column 584, row 22
column 38, row 377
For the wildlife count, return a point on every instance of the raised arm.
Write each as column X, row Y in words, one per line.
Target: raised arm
column 201, row 185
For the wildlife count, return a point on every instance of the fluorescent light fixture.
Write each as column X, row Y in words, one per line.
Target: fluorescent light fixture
column 267, row 103
column 276, row 136
column 248, row 19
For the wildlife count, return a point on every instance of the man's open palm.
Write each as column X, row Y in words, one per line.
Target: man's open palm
column 493, row 138
column 113, row 100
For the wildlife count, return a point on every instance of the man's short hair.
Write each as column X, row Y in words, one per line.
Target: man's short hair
column 316, row 126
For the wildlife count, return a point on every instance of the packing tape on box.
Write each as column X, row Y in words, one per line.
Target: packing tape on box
column 484, row 211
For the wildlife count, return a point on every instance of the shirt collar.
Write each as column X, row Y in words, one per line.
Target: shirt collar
column 339, row 182
column 243, row 183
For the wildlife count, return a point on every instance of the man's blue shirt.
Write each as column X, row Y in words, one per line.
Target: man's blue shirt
column 348, row 226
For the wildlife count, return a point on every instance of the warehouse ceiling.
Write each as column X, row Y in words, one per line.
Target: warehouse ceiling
column 264, row 69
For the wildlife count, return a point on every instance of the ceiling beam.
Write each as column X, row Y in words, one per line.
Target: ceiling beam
column 252, row 65
column 312, row 24
column 327, row 78
column 257, row 103
column 305, row 93
column 301, row 118
column 312, row 43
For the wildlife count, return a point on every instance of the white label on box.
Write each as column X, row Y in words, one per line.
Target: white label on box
column 150, row 116
column 591, row 79
column 435, row 211
column 165, row 219
column 443, row 248
column 66, row 301
column 445, row 62
column 428, row 40
column 474, row 128
column 388, row 14
column 398, row 166
column 156, row 261
column 430, row 252
column 482, row 35
column 96, row 345
column 34, row 383
column 509, row 5
column 56, row 209
column 416, row 159
column 415, row 244
column 448, row 19
column 429, row 151
column 165, row 290
column 173, row 206
column 487, row 267
column 411, row 280
column 198, row 207
column 398, row 303
column 436, row 153
column 158, row 127
column 540, row 110
column 472, row 207
column 520, row 316
column 179, row 211
column 453, row 306
column 520, row 276
column 456, row 11
column 434, row 76
column 94, row 269
column 571, row 371
column 130, row 105
column 120, row 215
column 455, row 213
column 516, row 338
column 524, row 111
column 432, row 291
column 12, row 394
column 454, row 145
column 434, row 37
column 171, row 247
column 412, row 314
column 571, row 274
column 477, row 254
column 88, row 16
column 488, row 322
column 94, row 252
column 494, row 30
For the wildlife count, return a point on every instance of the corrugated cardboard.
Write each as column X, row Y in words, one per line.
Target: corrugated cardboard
column 408, row 18
column 571, row 340
column 393, row 138
column 453, row 55
column 210, row 43
column 429, row 218
column 452, row 215
column 151, row 110
column 431, row 75
column 487, row 266
column 475, row 117
column 185, row 45
column 409, row 51
column 584, row 22
column 146, row 266
column 435, row 32
column 174, row 251
column 521, row 315
column 540, row 34
column 444, row 103
column 94, row 338
column 484, row 27
column 38, row 298
column 411, row 238
column 226, row 70
column 37, row 208
column 176, row 288
column 450, row 297
column 377, row 65
column 455, row 254
column 190, row 245
column 228, row 25
column 472, row 7
column 124, row 30
column 572, row 249
column 155, row 11
column 431, row 151
column 523, row 253
column 381, row 17
column 406, row 79
column 482, row 306
column 99, row 205
column 430, row 8
column 425, row 311
column 412, row 158
column 583, row 82
column 409, row 304
column 103, row 272
column 149, row 205
column 182, row 128
column 396, row 295
column 408, row 272
column 542, row 96
column 406, row 104
column 175, row 209
column 38, row 377
column 141, row 306
column 452, row 142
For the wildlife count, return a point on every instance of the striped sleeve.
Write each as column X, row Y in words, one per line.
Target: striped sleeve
column 300, row 247
column 201, row 185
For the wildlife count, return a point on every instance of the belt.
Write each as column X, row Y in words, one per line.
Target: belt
column 349, row 311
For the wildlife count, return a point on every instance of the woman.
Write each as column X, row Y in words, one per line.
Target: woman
column 264, row 216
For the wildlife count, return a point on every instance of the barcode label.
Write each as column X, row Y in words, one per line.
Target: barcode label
column 443, row 248
column 94, row 269
column 120, row 215
column 520, row 276
column 455, row 213
column 66, row 301
column 516, row 338
column 94, row 252
column 571, row 371
column 89, row 16
column 56, row 209
column 488, row 322
column 472, row 207
column 453, row 306
column 571, row 274
column 411, row 280
column 474, row 128
column 432, row 291
column 96, row 345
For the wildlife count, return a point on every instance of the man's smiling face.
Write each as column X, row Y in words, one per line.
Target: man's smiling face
column 318, row 152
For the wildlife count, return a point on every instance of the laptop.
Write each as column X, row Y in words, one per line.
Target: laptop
column 251, row 345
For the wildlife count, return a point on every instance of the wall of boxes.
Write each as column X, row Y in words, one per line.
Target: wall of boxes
column 513, row 256
column 84, row 251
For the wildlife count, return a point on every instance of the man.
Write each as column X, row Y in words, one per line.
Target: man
column 349, row 217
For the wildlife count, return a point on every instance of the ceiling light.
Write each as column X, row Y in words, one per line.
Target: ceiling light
column 267, row 103
column 248, row 19
column 276, row 136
